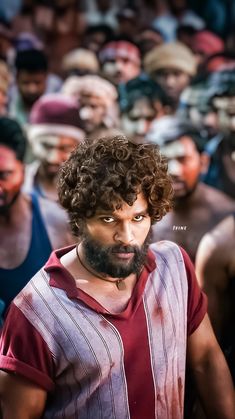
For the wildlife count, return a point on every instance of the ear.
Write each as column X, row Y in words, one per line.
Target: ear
column 204, row 162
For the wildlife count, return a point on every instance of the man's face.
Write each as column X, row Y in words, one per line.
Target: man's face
column 120, row 69
column 116, row 243
column 210, row 122
column 52, row 151
column 136, row 122
column 173, row 81
column 31, row 86
column 92, row 111
column 184, row 165
column 225, row 108
column 11, row 178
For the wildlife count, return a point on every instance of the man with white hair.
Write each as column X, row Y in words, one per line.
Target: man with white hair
column 97, row 99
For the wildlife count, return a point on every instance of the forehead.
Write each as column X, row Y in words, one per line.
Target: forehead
column 141, row 106
column 224, row 103
column 179, row 148
column 55, row 140
column 139, row 205
column 168, row 71
column 92, row 98
column 24, row 76
column 7, row 158
column 121, row 50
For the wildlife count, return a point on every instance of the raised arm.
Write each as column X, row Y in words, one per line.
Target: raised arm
column 20, row 398
column 211, row 373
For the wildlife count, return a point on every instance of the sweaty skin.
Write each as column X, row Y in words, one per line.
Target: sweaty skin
column 197, row 207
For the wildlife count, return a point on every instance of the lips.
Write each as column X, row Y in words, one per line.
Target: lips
column 123, row 255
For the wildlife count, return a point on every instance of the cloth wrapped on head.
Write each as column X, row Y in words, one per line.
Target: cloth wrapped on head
column 80, row 59
column 55, row 114
column 123, row 49
column 173, row 55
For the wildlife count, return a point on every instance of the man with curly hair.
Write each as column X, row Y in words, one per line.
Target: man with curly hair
column 103, row 330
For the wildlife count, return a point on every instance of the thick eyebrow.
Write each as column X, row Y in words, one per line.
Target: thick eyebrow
column 101, row 213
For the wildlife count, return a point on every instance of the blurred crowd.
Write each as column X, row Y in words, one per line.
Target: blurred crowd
column 158, row 71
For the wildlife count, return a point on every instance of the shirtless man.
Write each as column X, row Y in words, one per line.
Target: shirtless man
column 29, row 227
column 197, row 207
column 215, row 266
column 104, row 329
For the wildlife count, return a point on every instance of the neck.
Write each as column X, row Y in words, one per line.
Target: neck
column 188, row 200
column 13, row 212
column 118, row 282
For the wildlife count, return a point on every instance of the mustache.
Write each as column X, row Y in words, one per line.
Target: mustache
column 124, row 249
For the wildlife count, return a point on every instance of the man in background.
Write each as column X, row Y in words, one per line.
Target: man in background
column 197, row 207
column 112, row 316
column 29, row 227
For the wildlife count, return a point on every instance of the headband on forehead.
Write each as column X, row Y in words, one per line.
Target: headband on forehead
column 123, row 49
column 38, row 131
column 91, row 85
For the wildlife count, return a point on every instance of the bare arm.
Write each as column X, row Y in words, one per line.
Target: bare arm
column 214, row 270
column 57, row 224
column 211, row 373
column 20, row 398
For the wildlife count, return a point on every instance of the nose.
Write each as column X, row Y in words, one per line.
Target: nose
column 174, row 167
column 170, row 80
column 141, row 127
column 86, row 113
column 54, row 156
column 124, row 234
column 32, row 88
column 210, row 119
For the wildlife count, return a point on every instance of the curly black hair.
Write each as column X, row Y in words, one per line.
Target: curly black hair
column 13, row 136
column 109, row 171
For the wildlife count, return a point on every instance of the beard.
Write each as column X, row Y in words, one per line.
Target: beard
column 102, row 258
column 6, row 205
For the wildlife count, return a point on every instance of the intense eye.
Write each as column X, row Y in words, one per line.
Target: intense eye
column 108, row 220
column 138, row 218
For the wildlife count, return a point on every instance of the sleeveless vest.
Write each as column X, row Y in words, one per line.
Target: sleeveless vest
column 13, row 280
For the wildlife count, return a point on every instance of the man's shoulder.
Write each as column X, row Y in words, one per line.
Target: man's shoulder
column 215, row 197
column 56, row 221
column 31, row 290
column 165, row 248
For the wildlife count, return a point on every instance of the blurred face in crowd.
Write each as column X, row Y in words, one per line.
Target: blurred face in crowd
column 94, row 40
column 120, row 69
column 147, row 40
column 136, row 122
column 31, row 86
column 210, row 122
column 52, row 151
column 11, row 178
column 92, row 111
column 185, row 164
column 173, row 81
column 225, row 108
